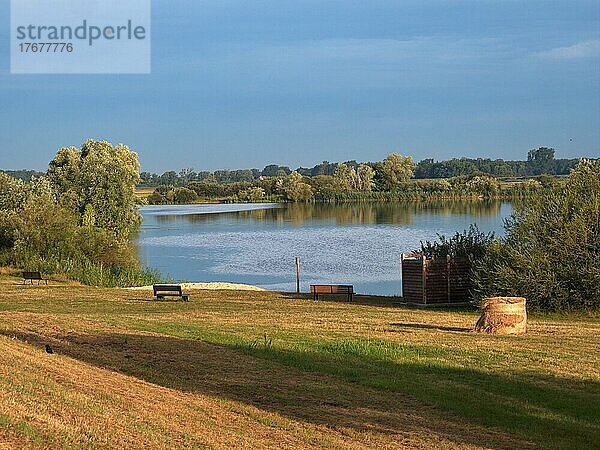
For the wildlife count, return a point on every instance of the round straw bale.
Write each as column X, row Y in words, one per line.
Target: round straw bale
column 503, row 315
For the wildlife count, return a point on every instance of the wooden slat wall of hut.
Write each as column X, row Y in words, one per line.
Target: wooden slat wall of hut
column 437, row 287
column 412, row 280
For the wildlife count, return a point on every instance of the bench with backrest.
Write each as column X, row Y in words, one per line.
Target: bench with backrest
column 316, row 289
column 30, row 276
column 169, row 290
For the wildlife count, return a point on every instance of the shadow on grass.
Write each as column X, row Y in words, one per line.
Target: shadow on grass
column 382, row 301
column 424, row 326
column 360, row 391
column 365, row 300
column 153, row 300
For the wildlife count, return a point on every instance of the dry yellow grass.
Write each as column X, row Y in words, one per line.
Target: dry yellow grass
column 132, row 373
column 144, row 192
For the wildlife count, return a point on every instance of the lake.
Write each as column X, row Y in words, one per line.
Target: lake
column 354, row 243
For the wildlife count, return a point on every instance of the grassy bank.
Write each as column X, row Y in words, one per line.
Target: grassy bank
column 373, row 197
column 83, row 271
column 267, row 370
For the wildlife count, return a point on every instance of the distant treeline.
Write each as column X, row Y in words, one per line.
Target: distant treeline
column 23, row 175
column 392, row 179
column 539, row 161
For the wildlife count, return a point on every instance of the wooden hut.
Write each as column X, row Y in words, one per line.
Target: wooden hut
column 435, row 281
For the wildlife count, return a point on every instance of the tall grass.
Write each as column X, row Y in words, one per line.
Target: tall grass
column 87, row 272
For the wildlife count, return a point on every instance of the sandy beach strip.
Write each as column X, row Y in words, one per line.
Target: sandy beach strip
column 218, row 285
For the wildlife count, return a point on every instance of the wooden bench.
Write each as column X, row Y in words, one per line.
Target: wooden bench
column 169, row 290
column 347, row 289
column 30, row 276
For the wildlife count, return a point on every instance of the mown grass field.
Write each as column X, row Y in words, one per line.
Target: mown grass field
column 241, row 369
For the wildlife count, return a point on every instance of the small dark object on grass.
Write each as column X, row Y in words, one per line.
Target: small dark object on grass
column 49, row 349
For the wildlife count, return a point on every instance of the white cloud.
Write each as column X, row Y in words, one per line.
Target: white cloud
column 587, row 49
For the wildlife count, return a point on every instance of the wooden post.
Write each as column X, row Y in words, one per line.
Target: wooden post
column 402, row 274
column 297, row 274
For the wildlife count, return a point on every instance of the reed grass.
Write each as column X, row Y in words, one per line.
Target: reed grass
column 85, row 271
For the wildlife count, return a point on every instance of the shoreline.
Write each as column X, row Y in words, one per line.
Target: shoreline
column 210, row 286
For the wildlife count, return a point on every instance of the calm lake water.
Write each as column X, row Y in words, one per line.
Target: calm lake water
column 357, row 244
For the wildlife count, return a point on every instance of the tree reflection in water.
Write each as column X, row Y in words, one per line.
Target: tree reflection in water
column 362, row 213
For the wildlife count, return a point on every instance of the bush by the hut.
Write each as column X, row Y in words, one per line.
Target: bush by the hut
column 551, row 251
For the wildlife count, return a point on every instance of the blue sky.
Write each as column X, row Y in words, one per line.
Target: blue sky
column 238, row 84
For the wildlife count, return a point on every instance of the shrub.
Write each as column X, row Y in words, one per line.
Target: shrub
column 484, row 185
column 252, row 195
column 551, row 252
column 471, row 243
column 184, row 196
column 156, row 198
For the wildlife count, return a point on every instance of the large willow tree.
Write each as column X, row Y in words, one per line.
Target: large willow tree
column 99, row 182
column 78, row 220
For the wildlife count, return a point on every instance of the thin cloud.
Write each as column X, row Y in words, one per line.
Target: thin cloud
column 333, row 64
column 587, row 49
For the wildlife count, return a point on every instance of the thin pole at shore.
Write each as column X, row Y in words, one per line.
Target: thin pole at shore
column 297, row 274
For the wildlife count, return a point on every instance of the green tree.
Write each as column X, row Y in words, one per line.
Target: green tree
column 438, row 185
column 296, row 189
column 344, row 178
column 551, row 252
column 541, row 161
column 394, row 171
column 364, row 178
column 347, row 178
column 325, row 168
column 184, row 196
column 157, row 198
column 323, row 187
column 13, row 192
column 169, row 178
column 34, row 223
column 273, row 170
column 24, row 175
column 484, row 185
column 252, row 194
column 39, row 232
column 103, row 176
